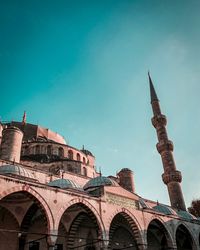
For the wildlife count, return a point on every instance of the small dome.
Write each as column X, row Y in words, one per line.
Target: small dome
column 163, row 209
column 100, row 181
column 63, row 183
column 185, row 215
column 15, row 170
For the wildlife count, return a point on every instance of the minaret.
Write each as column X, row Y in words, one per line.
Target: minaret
column 24, row 118
column 171, row 177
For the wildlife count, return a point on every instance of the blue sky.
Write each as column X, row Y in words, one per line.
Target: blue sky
column 80, row 68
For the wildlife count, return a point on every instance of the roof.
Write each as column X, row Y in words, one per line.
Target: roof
column 185, row 215
column 164, row 209
column 63, row 183
column 15, row 170
column 100, row 181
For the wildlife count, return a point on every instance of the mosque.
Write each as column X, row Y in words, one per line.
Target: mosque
column 52, row 197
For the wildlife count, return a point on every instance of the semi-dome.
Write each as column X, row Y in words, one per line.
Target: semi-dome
column 63, row 183
column 16, row 170
column 163, row 209
column 100, row 181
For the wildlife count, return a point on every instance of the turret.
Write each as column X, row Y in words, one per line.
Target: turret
column 11, row 144
column 171, row 177
column 126, row 179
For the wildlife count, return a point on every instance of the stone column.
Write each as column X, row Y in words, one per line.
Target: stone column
column 51, row 239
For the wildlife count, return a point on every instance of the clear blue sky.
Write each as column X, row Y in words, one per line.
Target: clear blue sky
column 80, row 68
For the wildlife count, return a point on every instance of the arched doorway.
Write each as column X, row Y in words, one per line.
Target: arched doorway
column 33, row 230
column 157, row 236
column 81, row 228
column 122, row 233
column 183, row 238
column 9, row 228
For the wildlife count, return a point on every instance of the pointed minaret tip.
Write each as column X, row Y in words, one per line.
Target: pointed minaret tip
column 24, row 118
column 152, row 90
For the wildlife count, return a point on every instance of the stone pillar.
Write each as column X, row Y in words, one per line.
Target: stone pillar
column 51, row 239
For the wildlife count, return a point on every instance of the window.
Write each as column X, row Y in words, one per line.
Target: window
column 49, row 150
column 84, row 171
column 83, row 160
column 61, row 152
column 70, row 154
column 78, row 157
column 37, row 149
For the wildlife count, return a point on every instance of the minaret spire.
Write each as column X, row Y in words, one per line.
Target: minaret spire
column 152, row 90
column 171, row 177
column 24, row 118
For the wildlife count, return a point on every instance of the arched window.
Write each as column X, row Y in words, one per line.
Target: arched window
column 61, row 152
column 83, row 160
column 70, row 154
column 37, row 149
column 84, row 171
column 49, row 149
column 78, row 157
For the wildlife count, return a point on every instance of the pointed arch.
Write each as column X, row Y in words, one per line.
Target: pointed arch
column 157, row 235
column 89, row 207
column 33, row 195
column 184, row 237
column 132, row 225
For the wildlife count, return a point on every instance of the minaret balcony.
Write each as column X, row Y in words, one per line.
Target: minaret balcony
column 159, row 120
column 174, row 176
column 164, row 145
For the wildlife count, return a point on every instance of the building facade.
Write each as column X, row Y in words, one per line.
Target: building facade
column 52, row 197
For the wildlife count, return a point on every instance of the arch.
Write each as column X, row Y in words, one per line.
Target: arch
column 86, row 204
column 9, row 227
column 158, row 236
column 134, row 226
column 39, row 199
column 84, row 162
column 84, row 171
column 184, row 237
column 70, row 154
column 60, row 152
column 37, row 149
column 78, row 157
column 49, row 150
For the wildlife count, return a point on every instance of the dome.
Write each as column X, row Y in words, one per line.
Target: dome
column 100, row 181
column 185, row 215
column 15, row 170
column 163, row 209
column 63, row 183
